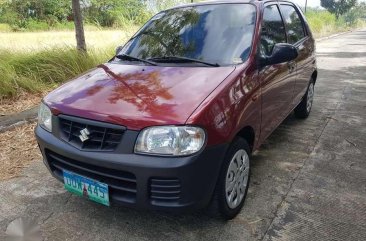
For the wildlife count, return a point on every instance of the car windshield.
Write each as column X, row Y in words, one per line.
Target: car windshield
column 213, row 34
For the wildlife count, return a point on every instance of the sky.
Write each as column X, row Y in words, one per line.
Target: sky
column 313, row 3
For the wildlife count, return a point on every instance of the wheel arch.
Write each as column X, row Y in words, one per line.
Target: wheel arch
column 314, row 76
column 248, row 134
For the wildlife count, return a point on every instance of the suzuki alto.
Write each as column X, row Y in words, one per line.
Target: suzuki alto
column 170, row 122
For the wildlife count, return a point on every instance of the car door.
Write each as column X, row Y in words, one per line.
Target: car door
column 298, row 36
column 277, row 81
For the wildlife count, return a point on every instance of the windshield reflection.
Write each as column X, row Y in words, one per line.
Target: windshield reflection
column 146, row 96
column 219, row 33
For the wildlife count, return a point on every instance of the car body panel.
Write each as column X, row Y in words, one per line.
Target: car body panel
column 137, row 96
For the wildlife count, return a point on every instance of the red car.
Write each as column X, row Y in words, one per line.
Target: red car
column 170, row 122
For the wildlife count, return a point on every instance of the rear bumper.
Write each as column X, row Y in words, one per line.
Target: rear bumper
column 144, row 182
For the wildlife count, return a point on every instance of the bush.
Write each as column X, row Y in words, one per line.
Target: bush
column 63, row 26
column 324, row 23
column 34, row 25
column 5, row 27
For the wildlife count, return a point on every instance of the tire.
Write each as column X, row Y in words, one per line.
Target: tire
column 303, row 109
column 227, row 208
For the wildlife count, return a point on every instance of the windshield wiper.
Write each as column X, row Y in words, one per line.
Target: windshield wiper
column 129, row 57
column 177, row 59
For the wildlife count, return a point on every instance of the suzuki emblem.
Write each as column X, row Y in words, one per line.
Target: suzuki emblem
column 84, row 135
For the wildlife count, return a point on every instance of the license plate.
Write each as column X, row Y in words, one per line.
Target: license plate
column 86, row 187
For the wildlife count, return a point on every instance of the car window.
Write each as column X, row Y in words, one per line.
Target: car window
column 217, row 33
column 293, row 22
column 273, row 30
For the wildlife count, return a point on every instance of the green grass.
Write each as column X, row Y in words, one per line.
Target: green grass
column 5, row 27
column 39, row 26
column 35, row 72
column 323, row 23
column 35, row 62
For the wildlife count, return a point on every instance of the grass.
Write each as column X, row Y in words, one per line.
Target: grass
column 323, row 23
column 35, row 41
column 5, row 27
column 34, row 63
column 34, row 72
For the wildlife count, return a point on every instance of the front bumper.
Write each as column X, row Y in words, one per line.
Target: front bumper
column 145, row 182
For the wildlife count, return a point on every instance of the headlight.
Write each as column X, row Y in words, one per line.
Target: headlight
column 45, row 117
column 170, row 140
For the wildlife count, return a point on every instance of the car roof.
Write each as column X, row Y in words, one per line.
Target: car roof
column 209, row 2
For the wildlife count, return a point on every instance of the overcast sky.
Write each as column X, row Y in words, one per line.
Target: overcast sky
column 313, row 3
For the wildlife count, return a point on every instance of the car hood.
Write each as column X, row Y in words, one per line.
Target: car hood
column 137, row 96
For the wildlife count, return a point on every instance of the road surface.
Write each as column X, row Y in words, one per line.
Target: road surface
column 308, row 180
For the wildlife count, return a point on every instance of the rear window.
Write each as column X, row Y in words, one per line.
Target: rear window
column 219, row 34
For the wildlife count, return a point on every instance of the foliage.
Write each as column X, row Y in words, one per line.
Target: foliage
column 35, row 14
column 20, row 14
column 338, row 7
column 108, row 13
column 159, row 5
column 323, row 23
column 34, row 72
column 356, row 14
column 4, row 27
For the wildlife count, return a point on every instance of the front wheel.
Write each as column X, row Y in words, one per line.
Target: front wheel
column 233, row 183
column 303, row 109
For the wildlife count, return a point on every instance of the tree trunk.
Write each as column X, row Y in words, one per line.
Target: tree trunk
column 79, row 27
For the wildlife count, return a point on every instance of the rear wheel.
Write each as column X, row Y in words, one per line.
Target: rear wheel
column 233, row 183
column 304, row 108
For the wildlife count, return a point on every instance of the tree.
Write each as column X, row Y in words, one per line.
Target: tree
column 338, row 7
column 79, row 27
column 115, row 13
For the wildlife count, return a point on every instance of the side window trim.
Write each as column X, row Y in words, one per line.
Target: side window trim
column 301, row 14
column 279, row 10
column 283, row 22
column 262, row 19
column 306, row 35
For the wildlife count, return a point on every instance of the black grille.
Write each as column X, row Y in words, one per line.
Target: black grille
column 122, row 185
column 164, row 190
column 101, row 136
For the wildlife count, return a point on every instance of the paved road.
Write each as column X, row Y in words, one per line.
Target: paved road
column 309, row 178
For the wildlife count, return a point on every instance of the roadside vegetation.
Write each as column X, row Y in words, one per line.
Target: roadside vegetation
column 324, row 23
column 37, row 46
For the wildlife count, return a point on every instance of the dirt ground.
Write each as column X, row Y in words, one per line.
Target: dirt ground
column 18, row 150
column 19, row 103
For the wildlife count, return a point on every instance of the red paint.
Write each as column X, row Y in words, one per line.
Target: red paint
column 137, row 96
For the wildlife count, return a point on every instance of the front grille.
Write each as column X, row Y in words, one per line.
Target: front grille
column 102, row 136
column 122, row 184
column 163, row 190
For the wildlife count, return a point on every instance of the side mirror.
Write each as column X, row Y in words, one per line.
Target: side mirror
column 119, row 49
column 281, row 53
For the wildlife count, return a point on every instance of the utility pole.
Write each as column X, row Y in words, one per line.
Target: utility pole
column 306, row 5
column 79, row 27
